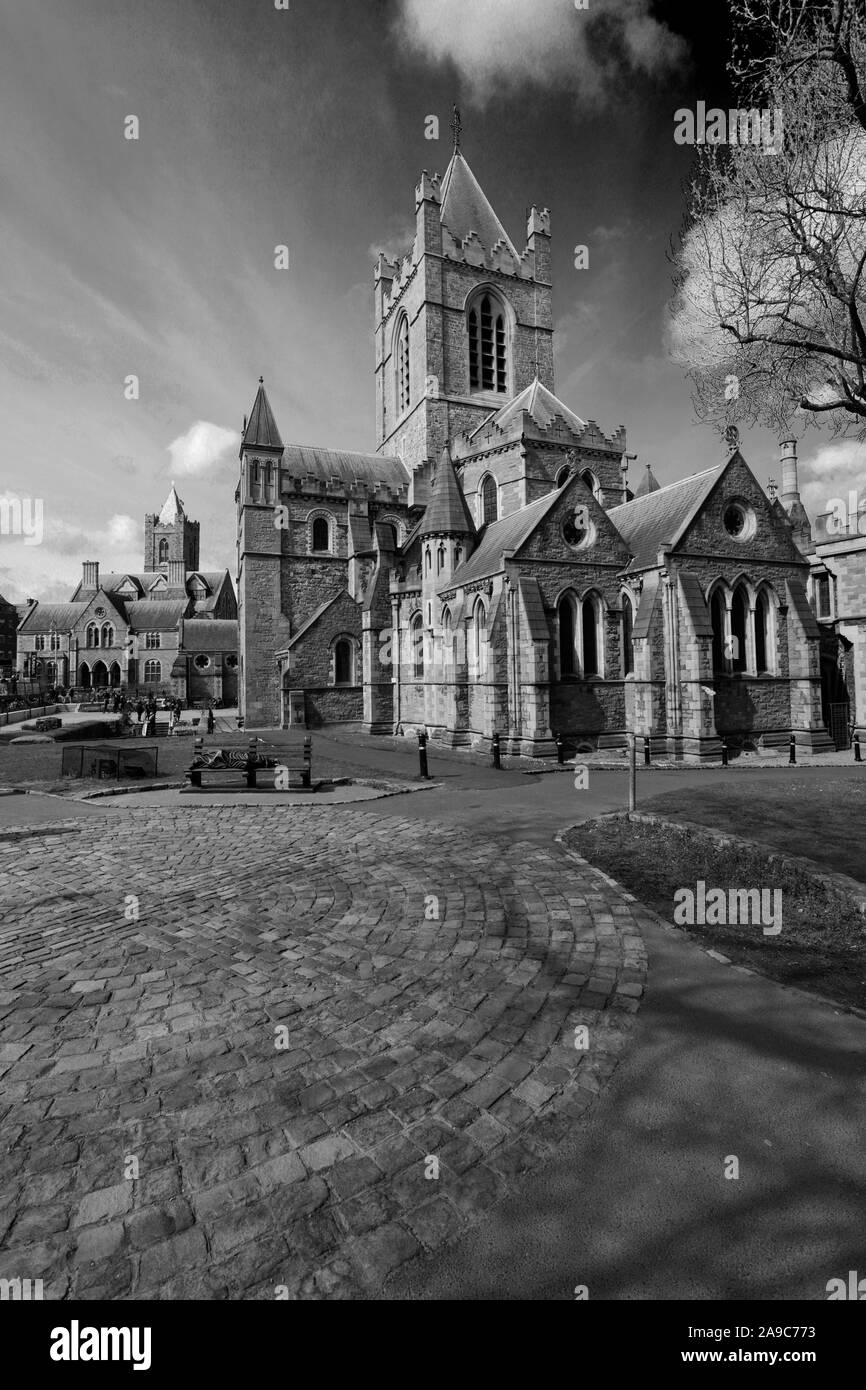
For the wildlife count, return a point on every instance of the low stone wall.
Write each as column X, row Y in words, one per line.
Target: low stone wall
column 19, row 716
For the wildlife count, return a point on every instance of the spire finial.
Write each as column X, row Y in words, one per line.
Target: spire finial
column 456, row 127
column 261, row 381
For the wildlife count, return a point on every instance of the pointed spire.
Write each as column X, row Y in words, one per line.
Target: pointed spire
column 261, row 431
column 172, row 508
column 465, row 207
column 447, row 513
column 647, row 484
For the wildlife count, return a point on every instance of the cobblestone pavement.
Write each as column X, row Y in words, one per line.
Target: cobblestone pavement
column 236, row 1044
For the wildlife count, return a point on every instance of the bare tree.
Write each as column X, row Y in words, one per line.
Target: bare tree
column 770, row 301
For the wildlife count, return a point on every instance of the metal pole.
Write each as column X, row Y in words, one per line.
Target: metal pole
column 724, row 752
column 422, row 753
column 496, row 758
column 646, row 752
column 792, row 754
column 857, row 757
column 560, row 749
column 632, row 771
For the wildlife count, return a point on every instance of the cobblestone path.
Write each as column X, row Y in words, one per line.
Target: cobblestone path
column 237, row 1044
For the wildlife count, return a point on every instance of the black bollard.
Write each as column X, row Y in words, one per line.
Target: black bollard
column 857, row 757
column 307, row 774
column 251, row 763
column 422, row 753
column 646, row 752
column 724, row 752
column 792, row 754
column 560, row 749
column 496, row 759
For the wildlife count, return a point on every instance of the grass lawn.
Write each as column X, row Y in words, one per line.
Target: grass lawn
column 822, row 817
column 822, row 944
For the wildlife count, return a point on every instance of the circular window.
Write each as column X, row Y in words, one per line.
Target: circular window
column 231, row 662
column 578, row 531
column 100, row 612
column 739, row 521
column 202, row 662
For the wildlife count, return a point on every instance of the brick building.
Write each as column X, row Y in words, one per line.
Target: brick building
column 488, row 569
column 169, row 629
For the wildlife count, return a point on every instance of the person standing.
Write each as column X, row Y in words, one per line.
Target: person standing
column 210, row 719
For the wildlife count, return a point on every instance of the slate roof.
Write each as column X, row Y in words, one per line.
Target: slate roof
column 533, row 607
column 507, row 534
column 210, row 634
column 648, row 483
column 261, row 431
column 465, row 207
column 660, row 517
column 540, row 403
column 111, row 582
column 155, row 615
column 446, row 512
column 60, row 616
column 382, row 470
column 314, row 618
column 172, row 508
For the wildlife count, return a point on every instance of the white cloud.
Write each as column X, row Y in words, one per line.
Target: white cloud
column 495, row 43
column 833, row 471
column 201, row 448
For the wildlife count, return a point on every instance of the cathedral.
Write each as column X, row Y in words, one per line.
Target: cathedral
column 488, row 569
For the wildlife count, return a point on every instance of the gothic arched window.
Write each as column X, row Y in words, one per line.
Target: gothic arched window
column 92, row 639
column 739, row 628
column 627, row 636
column 590, row 618
column 163, row 552
column 343, row 662
column 107, row 635
column 489, row 501
column 321, row 534
column 488, row 345
column 479, row 643
column 403, row 366
column 567, row 634
column 152, row 672
column 763, row 634
column 416, row 646
column 718, row 617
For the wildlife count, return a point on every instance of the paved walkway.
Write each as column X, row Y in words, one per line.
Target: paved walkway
column 242, row 1051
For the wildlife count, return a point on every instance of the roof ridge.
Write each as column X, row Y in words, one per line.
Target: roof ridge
column 678, row 482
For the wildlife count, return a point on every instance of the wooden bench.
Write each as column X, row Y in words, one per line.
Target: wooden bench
column 248, row 763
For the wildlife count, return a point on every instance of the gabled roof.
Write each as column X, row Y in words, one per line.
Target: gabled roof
column 42, row 617
column 156, row 615
column 261, row 430
column 648, row 483
column 465, row 207
column 508, row 534
column 446, row 513
column 538, row 402
column 172, row 509
column 382, row 470
column 661, row 517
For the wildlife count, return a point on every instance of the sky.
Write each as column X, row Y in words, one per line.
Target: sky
column 304, row 126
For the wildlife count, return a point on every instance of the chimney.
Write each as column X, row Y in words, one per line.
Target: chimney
column 176, row 574
column 791, row 496
column 788, row 460
column 90, row 575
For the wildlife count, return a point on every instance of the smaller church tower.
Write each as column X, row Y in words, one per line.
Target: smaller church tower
column 170, row 537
